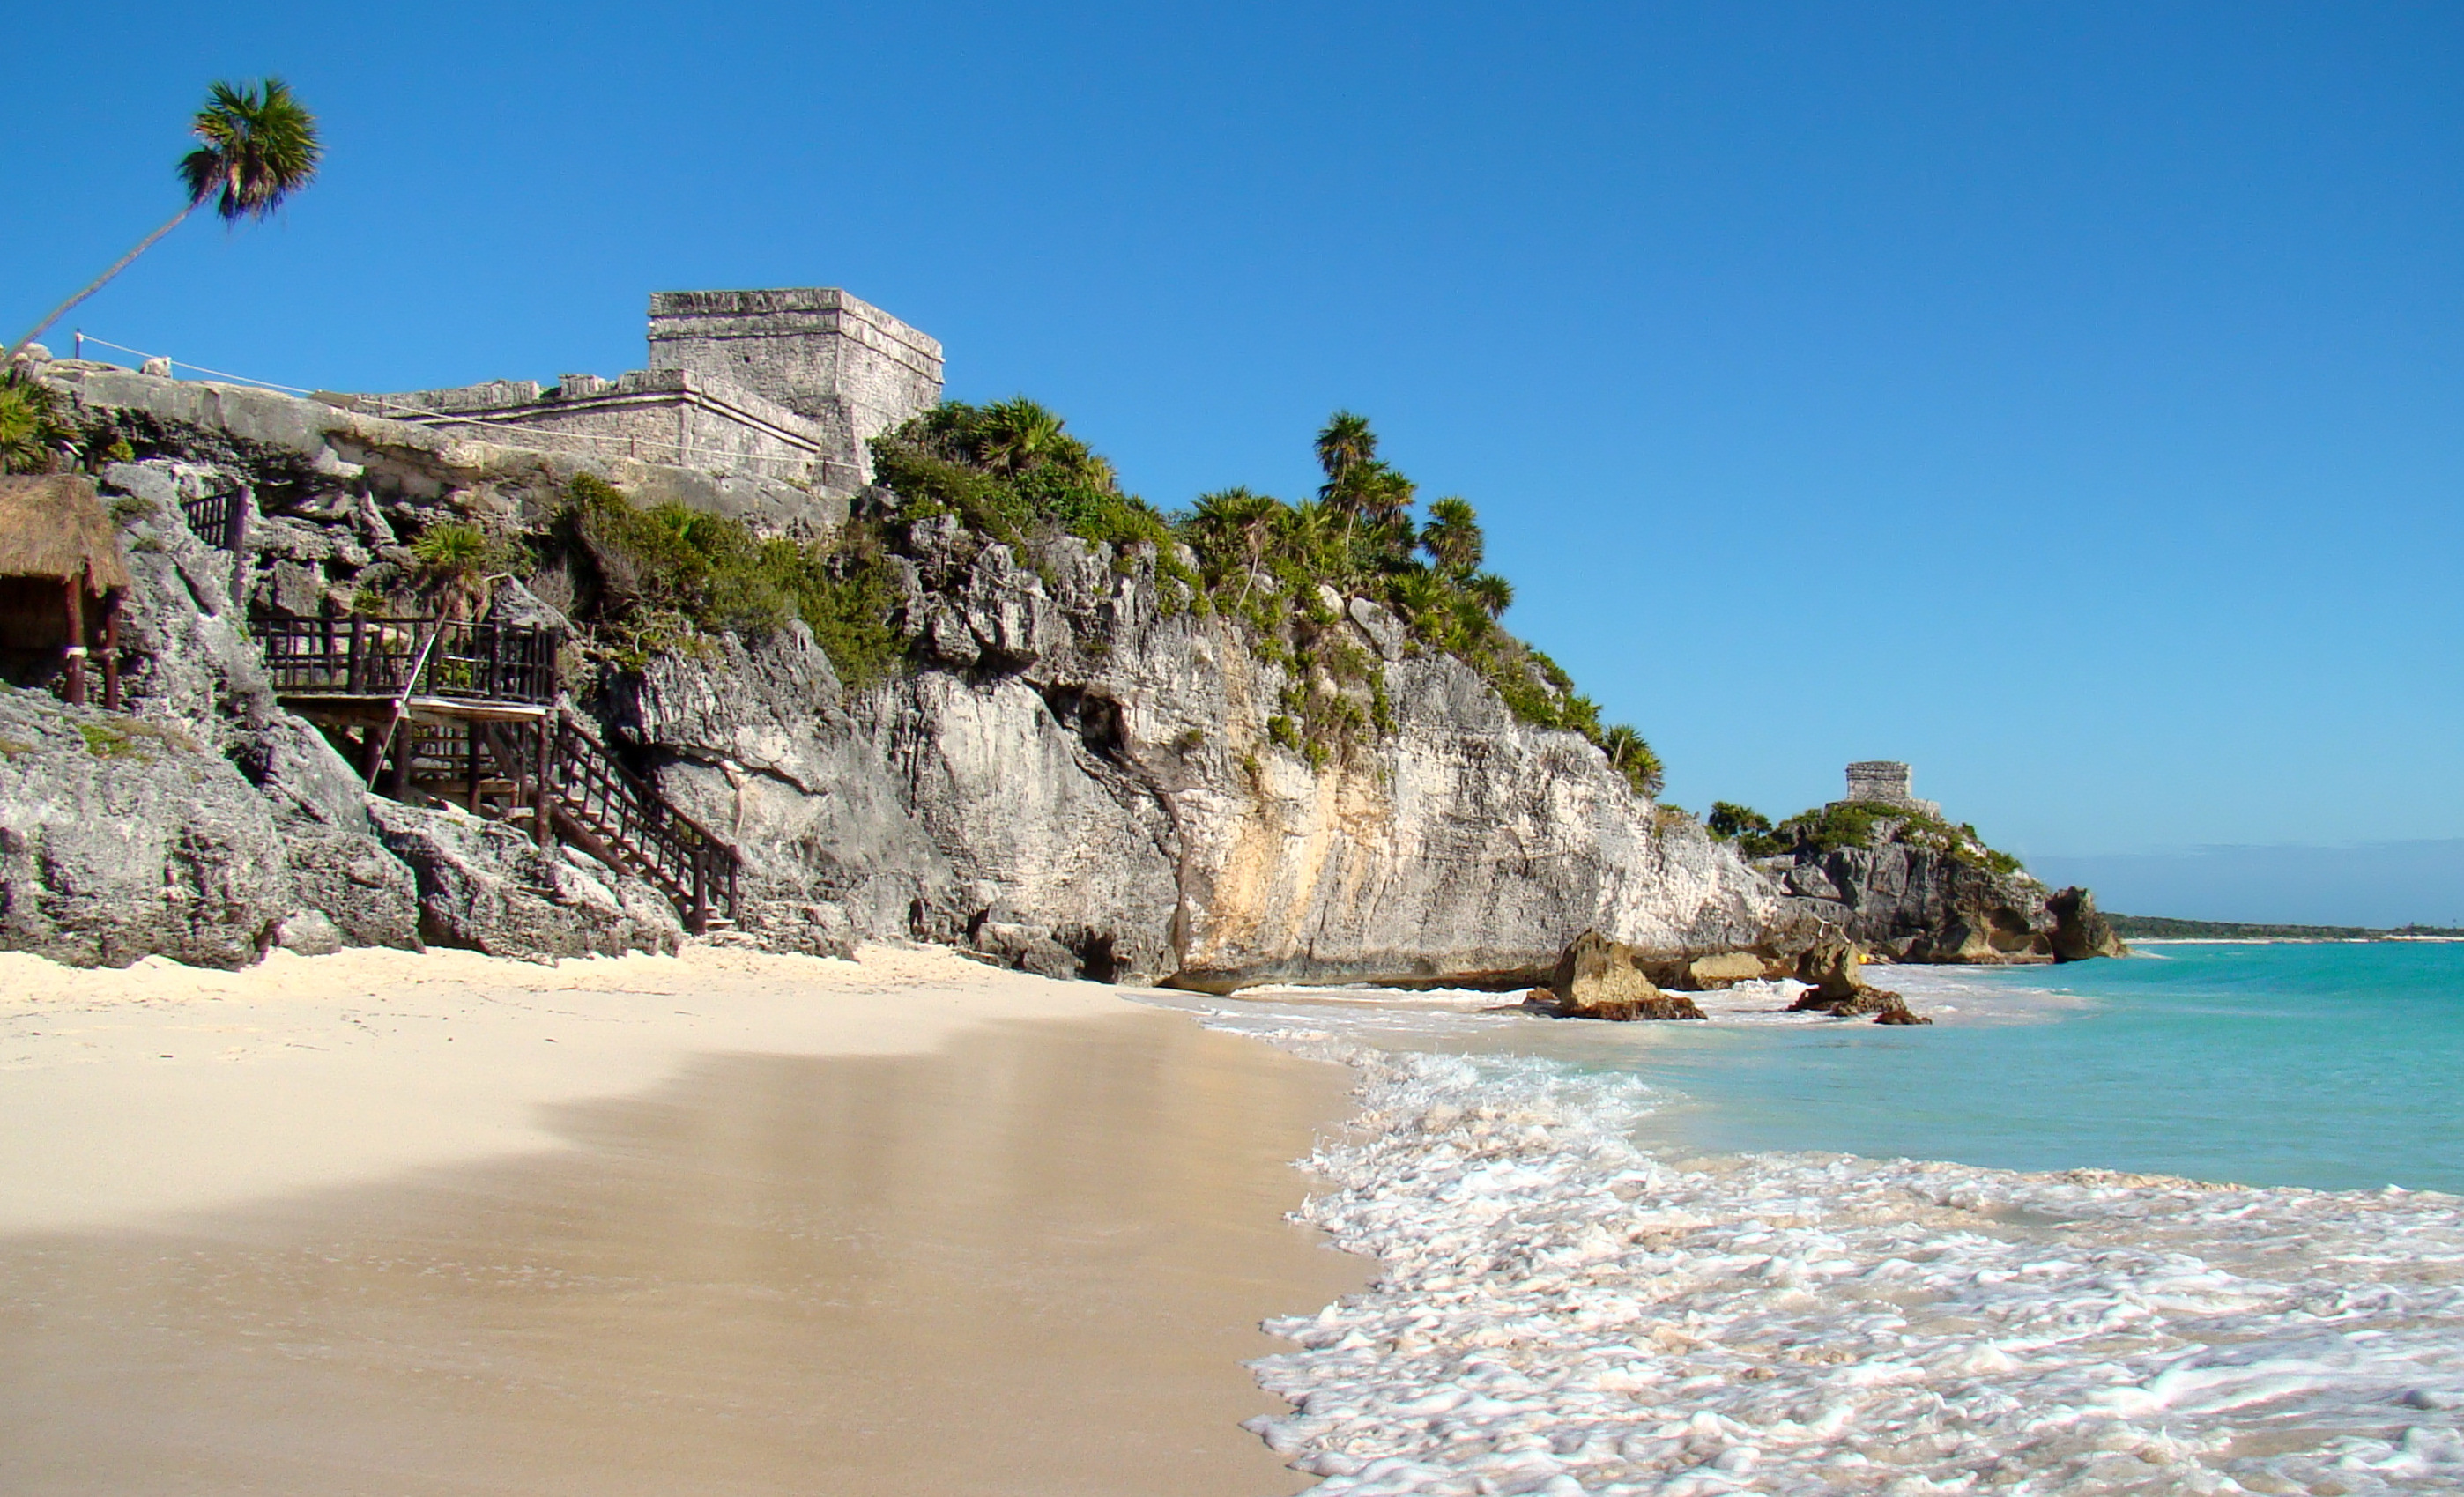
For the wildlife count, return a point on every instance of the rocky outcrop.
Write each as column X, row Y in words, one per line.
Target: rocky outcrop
column 2080, row 931
column 1925, row 904
column 122, row 838
column 1833, row 967
column 1597, row 978
column 485, row 886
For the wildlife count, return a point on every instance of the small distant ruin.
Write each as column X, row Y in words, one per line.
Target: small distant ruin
column 1885, row 781
column 787, row 384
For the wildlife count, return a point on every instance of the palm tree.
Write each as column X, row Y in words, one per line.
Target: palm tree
column 31, row 433
column 1452, row 538
column 1493, row 593
column 1630, row 755
column 455, row 563
column 1345, row 443
column 1305, row 535
column 1422, row 596
column 258, row 148
column 1017, row 434
column 1237, row 523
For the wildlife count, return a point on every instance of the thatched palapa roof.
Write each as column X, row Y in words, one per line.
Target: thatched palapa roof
column 53, row 525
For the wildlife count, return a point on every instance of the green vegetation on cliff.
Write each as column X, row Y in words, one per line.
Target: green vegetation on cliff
column 666, row 578
column 1284, row 571
column 1853, row 823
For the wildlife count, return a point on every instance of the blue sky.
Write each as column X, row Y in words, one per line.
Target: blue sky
column 2064, row 398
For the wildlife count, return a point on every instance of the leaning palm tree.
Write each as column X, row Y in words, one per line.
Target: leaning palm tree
column 258, row 148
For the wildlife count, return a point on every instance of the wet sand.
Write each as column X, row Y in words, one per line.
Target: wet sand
column 1011, row 1255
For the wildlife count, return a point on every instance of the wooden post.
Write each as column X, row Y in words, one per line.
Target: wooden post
column 352, row 670
column 544, row 826
column 75, row 608
column 405, row 749
column 111, row 652
column 472, row 729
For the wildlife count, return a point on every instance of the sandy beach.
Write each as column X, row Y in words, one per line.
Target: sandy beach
column 443, row 1224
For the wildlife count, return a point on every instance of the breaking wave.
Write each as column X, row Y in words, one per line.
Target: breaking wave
column 1562, row 1311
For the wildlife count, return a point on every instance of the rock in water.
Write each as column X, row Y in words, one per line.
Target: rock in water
column 2081, row 930
column 1834, row 966
column 1725, row 969
column 1601, row 978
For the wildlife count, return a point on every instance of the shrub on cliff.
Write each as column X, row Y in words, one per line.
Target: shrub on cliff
column 1008, row 469
column 1856, row 823
column 665, row 578
column 1748, row 829
column 34, row 435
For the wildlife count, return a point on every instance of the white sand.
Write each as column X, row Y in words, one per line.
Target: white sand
column 128, row 1094
column 450, row 1226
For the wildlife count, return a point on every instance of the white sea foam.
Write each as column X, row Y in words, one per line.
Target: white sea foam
column 1561, row 1311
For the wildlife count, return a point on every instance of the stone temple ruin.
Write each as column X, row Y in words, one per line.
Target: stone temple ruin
column 785, row 385
column 1885, row 781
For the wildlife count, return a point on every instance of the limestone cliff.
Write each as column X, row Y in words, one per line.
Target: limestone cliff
column 1069, row 769
column 1076, row 777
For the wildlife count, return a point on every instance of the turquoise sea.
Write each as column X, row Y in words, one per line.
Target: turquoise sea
column 2337, row 1066
column 2008, row 1251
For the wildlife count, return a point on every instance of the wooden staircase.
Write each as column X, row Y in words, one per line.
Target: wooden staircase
column 467, row 714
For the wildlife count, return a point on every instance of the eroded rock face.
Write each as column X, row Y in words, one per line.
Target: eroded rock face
column 1834, row 965
column 2080, row 931
column 1597, row 978
column 485, row 886
column 1076, row 767
column 122, row 838
column 1917, row 905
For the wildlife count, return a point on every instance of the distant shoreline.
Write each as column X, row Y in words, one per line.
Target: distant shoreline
column 2293, row 941
column 2162, row 928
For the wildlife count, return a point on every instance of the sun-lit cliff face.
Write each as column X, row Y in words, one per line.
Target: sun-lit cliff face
column 1082, row 754
column 1068, row 767
column 1076, row 775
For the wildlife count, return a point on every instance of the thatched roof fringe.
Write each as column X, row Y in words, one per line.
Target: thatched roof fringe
column 53, row 525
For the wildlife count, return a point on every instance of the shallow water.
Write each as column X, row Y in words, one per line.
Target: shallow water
column 1677, row 1259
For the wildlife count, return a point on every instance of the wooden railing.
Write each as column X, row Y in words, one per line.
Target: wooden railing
column 608, row 804
column 365, row 656
column 219, row 519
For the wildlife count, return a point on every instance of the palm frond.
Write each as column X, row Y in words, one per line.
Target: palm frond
column 258, row 146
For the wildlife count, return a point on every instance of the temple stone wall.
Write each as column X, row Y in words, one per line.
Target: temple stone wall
column 785, row 386
column 1886, row 781
column 817, row 351
column 670, row 416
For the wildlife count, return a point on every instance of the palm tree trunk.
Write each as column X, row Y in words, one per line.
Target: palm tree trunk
column 98, row 283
